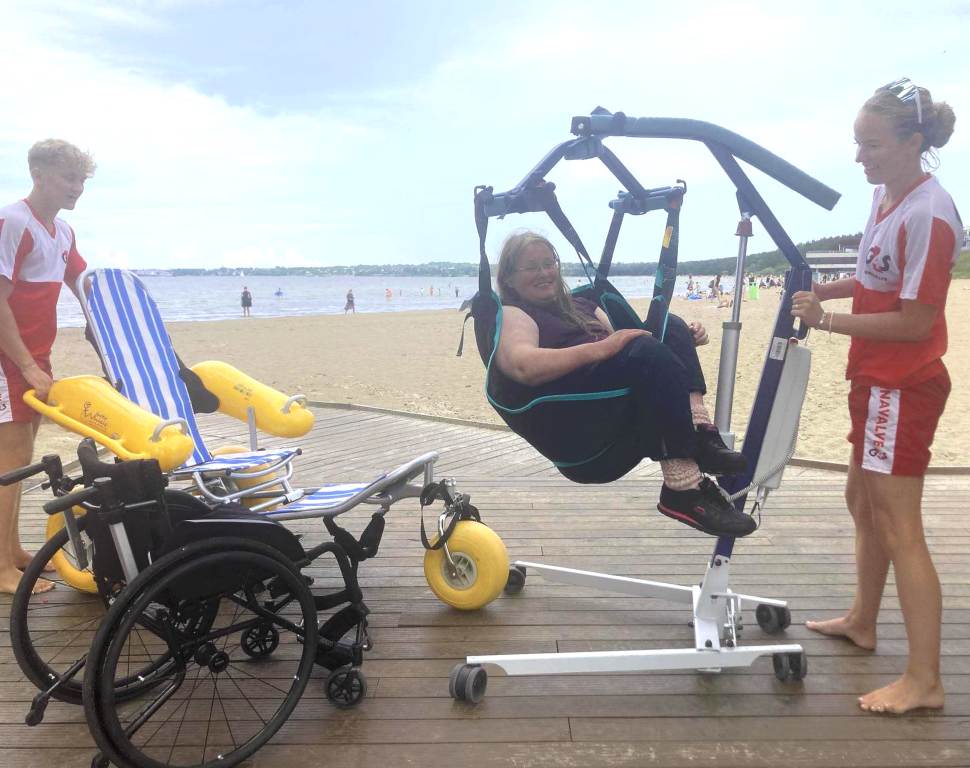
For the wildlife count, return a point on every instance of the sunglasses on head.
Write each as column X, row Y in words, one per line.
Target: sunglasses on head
column 906, row 91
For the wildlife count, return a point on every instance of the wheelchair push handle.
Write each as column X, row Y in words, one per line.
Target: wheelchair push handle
column 64, row 503
column 50, row 464
column 87, row 456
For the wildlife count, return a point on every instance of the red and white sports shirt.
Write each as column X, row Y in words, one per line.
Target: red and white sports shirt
column 37, row 261
column 907, row 252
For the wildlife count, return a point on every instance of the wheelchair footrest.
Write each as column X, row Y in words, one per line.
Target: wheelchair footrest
column 337, row 646
column 342, row 653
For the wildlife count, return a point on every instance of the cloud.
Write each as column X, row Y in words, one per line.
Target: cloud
column 188, row 177
column 171, row 159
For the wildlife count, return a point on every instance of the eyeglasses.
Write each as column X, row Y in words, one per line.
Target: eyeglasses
column 906, row 91
column 534, row 269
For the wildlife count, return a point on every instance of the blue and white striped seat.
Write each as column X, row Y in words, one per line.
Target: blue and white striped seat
column 327, row 497
column 140, row 362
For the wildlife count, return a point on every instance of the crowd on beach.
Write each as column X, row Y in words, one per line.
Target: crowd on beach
column 350, row 300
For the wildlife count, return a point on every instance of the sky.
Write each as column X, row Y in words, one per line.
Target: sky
column 261, row 133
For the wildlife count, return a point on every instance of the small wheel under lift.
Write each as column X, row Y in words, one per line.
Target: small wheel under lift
column 516, row 580
column 773, row 618
column 467, row 682
column 790, row 667
column 346, row 686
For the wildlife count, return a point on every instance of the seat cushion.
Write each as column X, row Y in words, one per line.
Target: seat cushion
column 237, row 521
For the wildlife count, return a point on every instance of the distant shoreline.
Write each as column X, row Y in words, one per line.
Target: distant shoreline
column 407, row 362
column 759, row 264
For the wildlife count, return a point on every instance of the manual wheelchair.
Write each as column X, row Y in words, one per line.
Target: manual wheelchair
column 201, row 634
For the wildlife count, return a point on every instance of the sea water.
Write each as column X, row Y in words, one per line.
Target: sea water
column 214, row 297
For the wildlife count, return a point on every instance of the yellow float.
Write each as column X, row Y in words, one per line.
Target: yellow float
column 81, row 579
column 91, row 407
column 242, row 483
column 275, row 413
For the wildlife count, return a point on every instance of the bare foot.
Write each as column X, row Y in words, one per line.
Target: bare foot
column 9, row 581
column 23, row 559
column 903, row 695
column 844, row 627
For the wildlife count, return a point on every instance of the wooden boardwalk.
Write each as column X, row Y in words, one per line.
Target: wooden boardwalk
column 802, row 553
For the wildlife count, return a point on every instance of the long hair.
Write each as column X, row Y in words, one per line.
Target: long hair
column 512, row 249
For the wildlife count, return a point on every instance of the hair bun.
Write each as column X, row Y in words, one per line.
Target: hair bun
column 940, row 127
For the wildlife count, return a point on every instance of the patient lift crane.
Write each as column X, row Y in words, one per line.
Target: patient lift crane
column 772, row 427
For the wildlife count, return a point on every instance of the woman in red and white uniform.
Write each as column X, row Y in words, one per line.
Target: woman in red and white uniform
column 899, row 385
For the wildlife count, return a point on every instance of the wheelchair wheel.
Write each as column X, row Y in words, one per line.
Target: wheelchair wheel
column 211, row 704
column 481, row 567
column 346, row 687
column 80, row 579
column 51, row 632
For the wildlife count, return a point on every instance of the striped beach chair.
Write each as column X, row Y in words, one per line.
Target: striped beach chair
column 140, row 362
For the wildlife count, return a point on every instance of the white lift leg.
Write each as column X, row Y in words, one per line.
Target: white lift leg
column 716, row 616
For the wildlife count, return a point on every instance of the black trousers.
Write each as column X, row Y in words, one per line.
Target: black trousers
column 658, row 423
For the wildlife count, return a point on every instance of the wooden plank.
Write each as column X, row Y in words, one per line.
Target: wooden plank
column 803, row 553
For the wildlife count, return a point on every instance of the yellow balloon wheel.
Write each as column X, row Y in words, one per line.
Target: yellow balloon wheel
column 244, row 483
column 481, row 567
column 80, row 579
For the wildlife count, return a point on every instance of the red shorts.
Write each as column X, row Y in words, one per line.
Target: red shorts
column 892, row 429
column 12, row 388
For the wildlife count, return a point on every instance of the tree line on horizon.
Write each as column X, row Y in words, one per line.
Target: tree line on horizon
column 764, row 263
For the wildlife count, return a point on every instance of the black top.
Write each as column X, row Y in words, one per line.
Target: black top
column 557, row 332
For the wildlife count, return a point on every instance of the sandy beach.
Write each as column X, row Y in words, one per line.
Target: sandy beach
column 406, row 361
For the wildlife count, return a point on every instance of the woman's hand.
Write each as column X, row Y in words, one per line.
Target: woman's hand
column 699, row 332
column 805, row 305
column 614, row 343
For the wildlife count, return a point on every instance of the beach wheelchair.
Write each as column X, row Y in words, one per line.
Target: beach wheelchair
column 202, row 633
column 146, row 407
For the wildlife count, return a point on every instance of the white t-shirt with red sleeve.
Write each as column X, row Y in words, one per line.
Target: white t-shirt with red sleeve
column 37, row 261
column 906, row 252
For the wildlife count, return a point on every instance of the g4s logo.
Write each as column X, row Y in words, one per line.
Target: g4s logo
column 880, row 263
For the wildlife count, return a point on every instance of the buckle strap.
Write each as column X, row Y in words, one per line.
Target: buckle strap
column 458, row 505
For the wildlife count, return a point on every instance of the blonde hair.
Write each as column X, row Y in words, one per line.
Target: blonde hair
column 58, row 153
column 513, row 247
column 935, row 128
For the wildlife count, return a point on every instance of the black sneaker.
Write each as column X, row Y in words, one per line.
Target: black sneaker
column 706, row 509
column 714, row 457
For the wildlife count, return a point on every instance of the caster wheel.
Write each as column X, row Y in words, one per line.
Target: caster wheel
column 516, row 580
column 481, row 567
column 99, row 761
column 259, row 641
column 346, row 686
column 773, row 618
column 790, row 667
column 467, row 682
